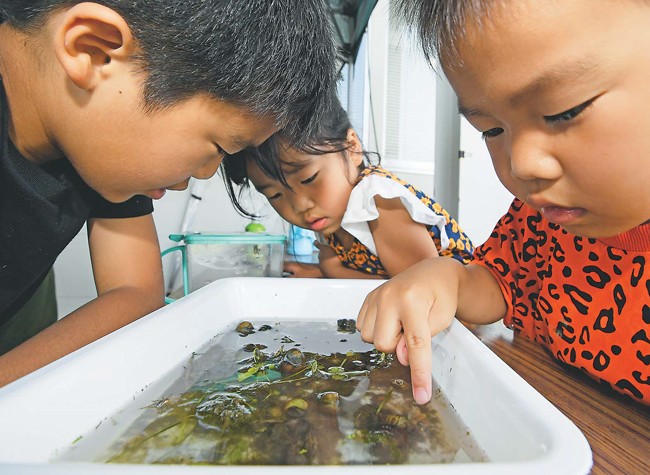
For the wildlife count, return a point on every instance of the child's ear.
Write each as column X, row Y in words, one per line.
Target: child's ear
column 90, row 37
column 355, row 149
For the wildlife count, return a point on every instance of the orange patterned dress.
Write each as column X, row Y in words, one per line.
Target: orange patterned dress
column 449, row 238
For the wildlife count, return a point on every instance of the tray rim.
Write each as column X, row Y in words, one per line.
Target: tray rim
column 569, row 454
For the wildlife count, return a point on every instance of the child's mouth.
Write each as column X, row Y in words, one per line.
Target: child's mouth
column 562, row 215
column 318, row 224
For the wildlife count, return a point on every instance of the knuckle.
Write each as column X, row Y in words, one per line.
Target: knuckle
column 384, row 346
column 416, row 342
column 366, row 336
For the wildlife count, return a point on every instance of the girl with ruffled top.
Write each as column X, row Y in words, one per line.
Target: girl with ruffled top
column 373, row 224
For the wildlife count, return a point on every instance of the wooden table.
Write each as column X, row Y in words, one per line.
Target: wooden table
column 618, row 429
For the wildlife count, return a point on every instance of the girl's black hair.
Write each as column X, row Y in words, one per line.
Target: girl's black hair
column 331, row 136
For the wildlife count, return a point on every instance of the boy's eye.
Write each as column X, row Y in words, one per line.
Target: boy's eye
column 274, row 197
column 491, row 133
column 569, row 114
column 310, row 179
column 220, row 151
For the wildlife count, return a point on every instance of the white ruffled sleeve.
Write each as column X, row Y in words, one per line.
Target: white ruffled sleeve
column 361, row 209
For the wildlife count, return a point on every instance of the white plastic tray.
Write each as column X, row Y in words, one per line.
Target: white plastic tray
column 43, row 413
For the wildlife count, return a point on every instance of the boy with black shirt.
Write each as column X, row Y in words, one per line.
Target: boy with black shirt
column 103, row 107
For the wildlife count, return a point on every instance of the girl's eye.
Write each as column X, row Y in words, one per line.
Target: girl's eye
column 492, row 133
column 568, row 115
column 274, row 197
column 310, row 179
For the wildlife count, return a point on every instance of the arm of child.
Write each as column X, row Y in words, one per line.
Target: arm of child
column 402, row 314
column 332, row 267
column 128, row 276
column 302, row 270
column 400, row 241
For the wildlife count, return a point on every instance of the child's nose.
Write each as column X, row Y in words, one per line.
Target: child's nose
column 531, row 158
column 209, row 169
column 302, row 203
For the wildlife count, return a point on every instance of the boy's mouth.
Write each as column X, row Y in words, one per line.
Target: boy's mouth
column 561, row 215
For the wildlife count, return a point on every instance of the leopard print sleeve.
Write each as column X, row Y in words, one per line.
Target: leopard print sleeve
column 584, row 299
column 503, row 255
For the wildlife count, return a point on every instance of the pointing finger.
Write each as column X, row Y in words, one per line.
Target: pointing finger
column 417, row 340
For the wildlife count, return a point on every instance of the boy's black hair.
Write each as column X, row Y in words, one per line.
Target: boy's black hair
column 440, row 24
column 271, row 57
column 330, row 136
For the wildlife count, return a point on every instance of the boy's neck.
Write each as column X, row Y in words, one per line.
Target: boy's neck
column 635, row 240
column 24, row 83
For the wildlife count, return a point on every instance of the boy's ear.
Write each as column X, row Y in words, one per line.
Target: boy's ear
column 90, row 37
column 355, row 149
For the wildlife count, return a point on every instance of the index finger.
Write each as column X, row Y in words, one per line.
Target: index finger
column 367, row 311
column 417, row 337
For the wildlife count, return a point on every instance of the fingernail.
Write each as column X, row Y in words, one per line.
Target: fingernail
column 421, row 396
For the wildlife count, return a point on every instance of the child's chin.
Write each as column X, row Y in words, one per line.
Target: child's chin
column 599, row 231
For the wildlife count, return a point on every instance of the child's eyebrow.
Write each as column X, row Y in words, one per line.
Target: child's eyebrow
column 470, row 111
column 549, row 79
column 261, row 188
column 554, row 77
column 241, row 142
column 292, row 170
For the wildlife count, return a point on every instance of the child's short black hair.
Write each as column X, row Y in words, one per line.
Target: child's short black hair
column 330, row 136
column 275, row 58
column 440, row 24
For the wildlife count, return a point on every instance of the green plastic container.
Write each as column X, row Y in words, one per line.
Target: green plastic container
column 207, row 257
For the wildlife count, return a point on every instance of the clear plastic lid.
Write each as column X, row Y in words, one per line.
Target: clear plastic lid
column 234, row 238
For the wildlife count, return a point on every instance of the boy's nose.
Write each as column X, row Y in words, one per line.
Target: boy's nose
column 532, row 159
column 180, row 186
column 208, row 170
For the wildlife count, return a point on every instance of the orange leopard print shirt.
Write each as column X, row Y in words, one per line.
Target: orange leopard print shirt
column 586, row 300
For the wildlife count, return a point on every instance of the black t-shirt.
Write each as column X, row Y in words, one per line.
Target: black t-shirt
column 42, row 208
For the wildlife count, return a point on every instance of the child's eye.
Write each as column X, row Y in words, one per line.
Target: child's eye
column 491, row 133
column 568, row 115
column 310, row 179
column 274, row 197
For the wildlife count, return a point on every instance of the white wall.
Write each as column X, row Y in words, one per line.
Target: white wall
column 215, row 213
column 400, row 101
column 482, row 198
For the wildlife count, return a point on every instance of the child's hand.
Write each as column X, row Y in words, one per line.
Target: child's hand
column 403, row 314
column 328, row 261
column 323, row 248
column 302, row 270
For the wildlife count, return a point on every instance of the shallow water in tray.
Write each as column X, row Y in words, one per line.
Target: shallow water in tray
column 289, row 392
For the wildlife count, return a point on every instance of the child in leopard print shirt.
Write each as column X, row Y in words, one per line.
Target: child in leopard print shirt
column 568, row 130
